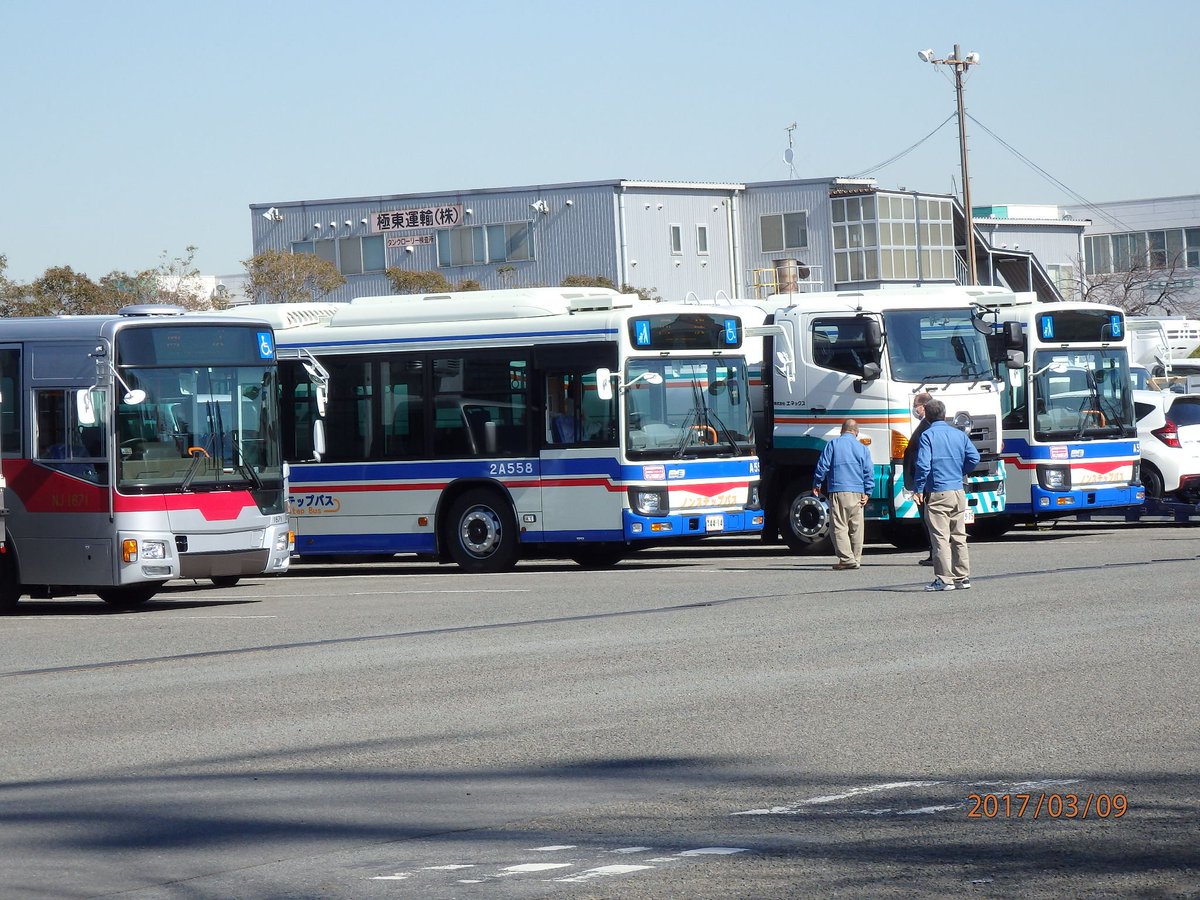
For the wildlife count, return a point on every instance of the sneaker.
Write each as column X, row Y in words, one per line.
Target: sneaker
column 840, row 567
column 938, row 585
column 927, row 561
column 963, row 584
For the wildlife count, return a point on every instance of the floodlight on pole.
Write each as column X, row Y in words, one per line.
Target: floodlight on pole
column 959, row 63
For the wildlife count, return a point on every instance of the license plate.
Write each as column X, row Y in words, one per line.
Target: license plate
column 969, row 517
column 714, row 523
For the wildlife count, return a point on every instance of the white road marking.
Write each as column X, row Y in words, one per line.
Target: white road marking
column 399, row 876
column 631, row 850
column 449, row 868
column 719, row 851
column 927, row 810
column 603, row 872
column 536, row 867
column 830, row 798
column 551, row 848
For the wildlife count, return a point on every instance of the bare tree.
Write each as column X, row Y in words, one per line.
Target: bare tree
column 1141, row 290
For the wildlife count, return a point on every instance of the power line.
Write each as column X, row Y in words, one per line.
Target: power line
column 903, row 153
column 1083, row 201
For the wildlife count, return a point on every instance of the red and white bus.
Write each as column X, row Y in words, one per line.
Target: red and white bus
column 138, row 448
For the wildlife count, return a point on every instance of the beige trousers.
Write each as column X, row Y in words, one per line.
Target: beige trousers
column 945, row 511
column 847, row 510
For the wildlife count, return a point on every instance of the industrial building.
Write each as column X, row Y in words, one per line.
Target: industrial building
column 673, row 239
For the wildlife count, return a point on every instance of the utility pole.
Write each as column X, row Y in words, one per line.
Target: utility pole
column 960, row 64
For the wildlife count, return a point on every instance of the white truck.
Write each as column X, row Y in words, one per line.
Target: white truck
column 865, row 355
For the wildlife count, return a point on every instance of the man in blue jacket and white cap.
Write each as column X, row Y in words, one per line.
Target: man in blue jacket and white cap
column 945, row 457
column 846, row 474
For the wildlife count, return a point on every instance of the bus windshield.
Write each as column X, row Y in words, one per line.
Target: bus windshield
column 687, row 408
column 940, row 345
column 199, row 428
column 1082, row 394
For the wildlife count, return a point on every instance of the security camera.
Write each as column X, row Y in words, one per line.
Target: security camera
column 570, row 203
column 408, row 249
column 348, row 223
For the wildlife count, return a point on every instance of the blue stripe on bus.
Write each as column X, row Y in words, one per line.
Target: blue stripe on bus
column 450, row 337
column 1098, row 449
column 357, row 544
column 352, row 473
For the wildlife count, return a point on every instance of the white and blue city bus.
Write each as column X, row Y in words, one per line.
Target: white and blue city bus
column 1070, row 436
column 482, row 426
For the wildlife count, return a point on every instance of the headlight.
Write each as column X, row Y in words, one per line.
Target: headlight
column 1054, row 478
column 648, row 502
column 154, row 550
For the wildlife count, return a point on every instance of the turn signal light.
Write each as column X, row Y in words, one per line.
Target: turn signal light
column 899, row 444
column 129, row 550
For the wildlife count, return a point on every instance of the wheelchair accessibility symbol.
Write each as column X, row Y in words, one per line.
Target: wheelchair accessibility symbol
column 266, row 345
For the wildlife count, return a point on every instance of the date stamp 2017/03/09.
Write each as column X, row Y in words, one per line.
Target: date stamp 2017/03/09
column 1044, row 805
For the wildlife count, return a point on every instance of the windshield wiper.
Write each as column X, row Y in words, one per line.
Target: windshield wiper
column 193, row 470
column 249, row 472
column 725, row 430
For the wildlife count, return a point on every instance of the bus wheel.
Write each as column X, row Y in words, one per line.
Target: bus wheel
column 598, row 556
column 481, row 532
column 10, row 582
column 128, row 597
column 225, row 580
column 804, row 520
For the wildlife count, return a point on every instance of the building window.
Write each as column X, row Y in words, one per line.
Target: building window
column 1167, row 249
column 787, row 231
column 886, row 237
column 351, row 256
column 485, row 243
column 676, row 240
column 702, row 240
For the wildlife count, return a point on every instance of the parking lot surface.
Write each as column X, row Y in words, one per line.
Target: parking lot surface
column 717, row 720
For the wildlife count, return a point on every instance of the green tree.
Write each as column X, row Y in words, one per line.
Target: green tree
column 290, row 277
column 405, row 281
column 63, row 291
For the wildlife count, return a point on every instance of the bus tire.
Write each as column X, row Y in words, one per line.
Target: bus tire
column 805, row 521
column 598, row 556
column 225, row 581
column 481, row 532
column 10, row 581
column 128, row 597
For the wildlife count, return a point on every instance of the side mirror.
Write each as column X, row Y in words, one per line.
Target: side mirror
column 1015, row 359
column 318, row 439
column 604, row 388
column 871, row 371
column 873, row 335
column 1014, row 338
column 84, row 408
column 322, row 397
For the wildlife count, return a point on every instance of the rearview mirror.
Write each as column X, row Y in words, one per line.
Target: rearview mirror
column 604, row 384
column 318, row 439
column 84, row 409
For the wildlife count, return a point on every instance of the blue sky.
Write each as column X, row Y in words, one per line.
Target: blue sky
column 134, row 128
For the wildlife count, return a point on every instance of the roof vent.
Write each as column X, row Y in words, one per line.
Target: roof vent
column 151, row 309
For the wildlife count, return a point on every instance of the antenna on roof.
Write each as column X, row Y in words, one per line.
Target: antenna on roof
column 788, row 154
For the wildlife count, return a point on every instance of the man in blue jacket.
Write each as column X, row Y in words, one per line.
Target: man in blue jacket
column 945, row 456
column 845, row 473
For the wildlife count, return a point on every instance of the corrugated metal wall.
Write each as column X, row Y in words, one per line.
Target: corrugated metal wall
column 770, row 198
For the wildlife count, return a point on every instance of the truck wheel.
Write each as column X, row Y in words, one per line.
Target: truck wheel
column 481, row 532
column 805, row 520
column 225, row 581
column 128, row 597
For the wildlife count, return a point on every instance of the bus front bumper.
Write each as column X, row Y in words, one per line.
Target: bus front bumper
column 691, row 524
